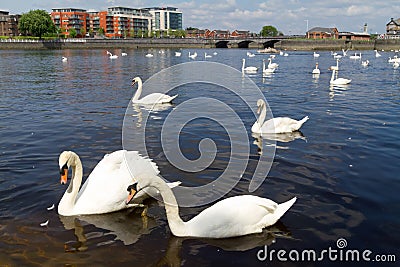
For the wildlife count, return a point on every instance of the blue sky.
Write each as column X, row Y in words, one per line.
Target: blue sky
column 289, row 17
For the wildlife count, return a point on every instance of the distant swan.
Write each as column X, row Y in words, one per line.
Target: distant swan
column 193, row 56
column 111, row 176
column 124, row 54
column 377, row 53
column 206, row 55
column 365, row 63
column 272, row 65
column 316, row 70
column 154, row 98
column 249, row 68
column 355, row 56
column 111, row 55
column 64, row 59
column 267, row 70
column 149, row 55
column 178, row 54
column 338, row 81
column 230, row 217
column 316, row 55
column 274, row 125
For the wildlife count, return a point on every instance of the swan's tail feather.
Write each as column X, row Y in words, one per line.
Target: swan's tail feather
column 283, row 208
column 174, row 184
column 172, row 98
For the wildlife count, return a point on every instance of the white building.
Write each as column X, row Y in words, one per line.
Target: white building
column 165, row 18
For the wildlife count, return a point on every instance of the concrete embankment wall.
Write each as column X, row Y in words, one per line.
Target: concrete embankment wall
column 289, row 44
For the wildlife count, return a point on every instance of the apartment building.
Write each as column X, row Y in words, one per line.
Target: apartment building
column 8, row 24
column 165, row 18
column 68, row 18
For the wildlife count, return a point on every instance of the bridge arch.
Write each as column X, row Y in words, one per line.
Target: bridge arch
column 221, row 44
column 244, row 44
column 270, row 43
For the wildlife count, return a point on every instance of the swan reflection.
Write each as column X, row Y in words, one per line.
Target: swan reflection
column 267, row 237
column 127, row 226
column 337, row 89
column 281, row 137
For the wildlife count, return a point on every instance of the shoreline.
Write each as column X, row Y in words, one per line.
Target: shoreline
column 286, row 44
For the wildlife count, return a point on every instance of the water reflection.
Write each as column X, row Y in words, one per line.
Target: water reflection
column 281, row 137
column 337, row 89
column 127, row 226
column 267, row 237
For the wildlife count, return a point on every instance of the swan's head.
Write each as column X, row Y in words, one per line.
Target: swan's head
column 65, row 160
column 260, row 104
column 136, row 80
column 133, row 189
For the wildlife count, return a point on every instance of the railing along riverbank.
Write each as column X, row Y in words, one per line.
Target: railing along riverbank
column 136, row 43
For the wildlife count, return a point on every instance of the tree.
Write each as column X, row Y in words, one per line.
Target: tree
column 36, row 23
column 269, row 31
column 72, row 32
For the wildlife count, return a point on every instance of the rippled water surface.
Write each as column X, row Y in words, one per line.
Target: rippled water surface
column 343, row 167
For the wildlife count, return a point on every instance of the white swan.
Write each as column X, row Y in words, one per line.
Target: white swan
column 193, row 56
column 344, row 52
column 178, row 54
column 274, row 125
column 249, row 54
column 248, row 69
column 111, row 55
column 154, row 98
column 149, row 55
column 111, row 176
column 272, row 65
column 316, row 55
column 355, row 56
column 316, row 70
column 64, row 59
column 377, row 53
column 396, row 65
column 335, row 67
column 365, row 63
column 338, row 81
column 231, row 217
column 267, row 71
column 124, row 54
column 206, row 55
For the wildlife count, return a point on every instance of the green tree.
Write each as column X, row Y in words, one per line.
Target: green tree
column 101, row 31
column 269, row 31
column 72, row 32
column 36, row 23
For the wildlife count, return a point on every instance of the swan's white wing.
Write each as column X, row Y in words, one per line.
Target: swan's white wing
column 156, row 98
column 105, row 188
column 233, row 216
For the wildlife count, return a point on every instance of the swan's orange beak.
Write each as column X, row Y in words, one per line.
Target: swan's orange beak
column 132, row 189
column 64, row 174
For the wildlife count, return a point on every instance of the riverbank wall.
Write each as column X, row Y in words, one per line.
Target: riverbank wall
column 286, row 44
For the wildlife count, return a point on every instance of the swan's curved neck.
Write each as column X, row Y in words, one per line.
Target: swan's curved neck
column 333, row 75
column 262, row 116
column 138, row 91
column 68, row 200
column 264, row 65
column 177, row 226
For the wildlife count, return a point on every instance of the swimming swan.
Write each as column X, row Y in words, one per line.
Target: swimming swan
column 338, row 81
column 248, row 69
column 316, row 70
column 111, row 176
column 154, row 98
column 234, row 216
column 267, row 71
column 274, row 125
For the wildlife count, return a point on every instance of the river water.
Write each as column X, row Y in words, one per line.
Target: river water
column 343, row 167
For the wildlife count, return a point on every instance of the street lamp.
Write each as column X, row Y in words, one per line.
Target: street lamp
column 306, row 20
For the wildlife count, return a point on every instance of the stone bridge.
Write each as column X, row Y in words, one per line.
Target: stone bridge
column 250, row 42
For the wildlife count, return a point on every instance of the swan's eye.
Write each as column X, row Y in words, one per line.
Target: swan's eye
column 62, row 170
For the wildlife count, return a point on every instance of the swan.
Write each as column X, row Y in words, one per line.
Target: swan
column 268, row 70
column 272, row 65
column 154, row 98
column 193, row 56
column 111, row 176
column 111, row 55
column 316, row 55
column 355, row 56
column 206, row 55
column 316, row 70
column 335, row 67
column 286, row 55
column 396, row 65
column 274, row 125
column 230, row 217
column 64, row 59
column 249, row 54
column 248, row 69
column 124, row 54
column 377, row 53
column 365, row 63
column 178, row 54
column 338, row 81
column 344, row 52
column 149, row 55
